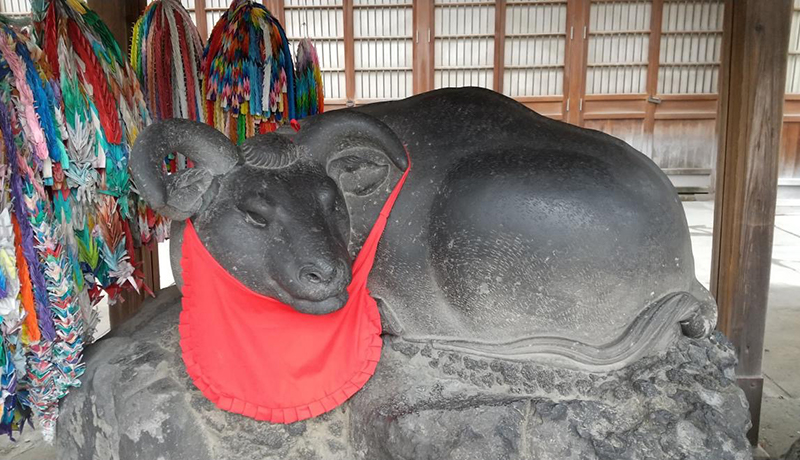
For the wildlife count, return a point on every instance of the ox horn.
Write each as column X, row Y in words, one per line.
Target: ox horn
column 332, row 132
column 181, row 195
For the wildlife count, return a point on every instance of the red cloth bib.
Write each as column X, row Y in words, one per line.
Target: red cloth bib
column 258, row 357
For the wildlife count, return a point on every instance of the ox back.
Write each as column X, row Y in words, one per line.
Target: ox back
column 522, row 237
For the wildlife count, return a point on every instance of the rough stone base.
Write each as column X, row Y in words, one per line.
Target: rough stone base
column 794, row 452
column 137, row 402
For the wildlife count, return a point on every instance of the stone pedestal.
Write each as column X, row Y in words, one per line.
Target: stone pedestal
column 137, row 402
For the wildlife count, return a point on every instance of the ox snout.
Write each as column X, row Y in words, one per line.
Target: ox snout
column 322, row 286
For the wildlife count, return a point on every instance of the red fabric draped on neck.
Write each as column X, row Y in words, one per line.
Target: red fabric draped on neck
column 258, row 357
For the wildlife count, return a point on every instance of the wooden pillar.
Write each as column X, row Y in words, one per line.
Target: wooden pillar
column 423, row 45
column 276, row 8
column 578, row 12
column 751, row 114
column 653, row 60
column 499, row 44
column 349, row 52
column 119, row 16
column 201, row 19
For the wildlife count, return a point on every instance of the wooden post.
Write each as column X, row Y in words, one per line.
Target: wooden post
column 751, row 114
column 575, row 60
column 276, row 8
column 653, row 56
column 201, row 18
column 349, row 52
column 499, row 44
column 119, row 16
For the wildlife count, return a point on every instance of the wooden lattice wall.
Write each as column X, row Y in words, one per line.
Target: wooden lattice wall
column 646, row 71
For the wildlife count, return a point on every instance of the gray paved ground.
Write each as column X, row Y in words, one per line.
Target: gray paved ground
column 781, row 405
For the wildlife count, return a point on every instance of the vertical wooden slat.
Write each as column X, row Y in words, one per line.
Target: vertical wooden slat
column 276, row 8
column 156, row 271
column 575, row 69
column 747, row 172
column 349, row 53
column 722, row 113
column 415, row 47
column 654, row 52
column 499, row 44
column 200, row 17
column 423, row 47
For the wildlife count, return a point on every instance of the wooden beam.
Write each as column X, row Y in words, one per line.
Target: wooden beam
column 499, row 44
column 751, row 95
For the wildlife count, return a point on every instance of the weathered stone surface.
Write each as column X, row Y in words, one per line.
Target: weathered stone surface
column 794, row 452
column 137, row 402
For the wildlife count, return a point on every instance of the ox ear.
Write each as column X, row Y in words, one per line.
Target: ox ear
column 358, row 176
column 181, row 195
column 357, row 150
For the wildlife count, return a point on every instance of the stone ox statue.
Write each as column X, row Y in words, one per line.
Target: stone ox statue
column 516, row 236
column 535, row 281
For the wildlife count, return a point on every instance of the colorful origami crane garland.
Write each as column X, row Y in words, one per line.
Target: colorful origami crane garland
column 166, row 50
column 69, row 112
column 248, row 72
column 310, row 99
column 103, row 112
column 45, row 303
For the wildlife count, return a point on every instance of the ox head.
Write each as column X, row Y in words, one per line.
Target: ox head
column 272, row 211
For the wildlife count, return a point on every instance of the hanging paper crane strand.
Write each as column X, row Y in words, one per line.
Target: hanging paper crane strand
column 40, row 371
column 248, row 72
column 12, row 359
column 165, row 56
column 104, row 110
column 310, row 98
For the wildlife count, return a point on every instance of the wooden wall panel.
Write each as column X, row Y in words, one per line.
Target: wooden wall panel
column 790, row 151
column 685, row 144
column 323, row 22
column 630, row 131
column 15, row 7
column 691, row 40
column 619, row 34
column 383, row 33
column 464, row 33
column 793, row 68
column 535, row 41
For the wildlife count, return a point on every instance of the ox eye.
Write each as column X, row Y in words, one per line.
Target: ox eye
column 256, row 213
column 254, row 218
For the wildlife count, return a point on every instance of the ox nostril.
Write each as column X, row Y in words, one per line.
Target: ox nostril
column 317, row 275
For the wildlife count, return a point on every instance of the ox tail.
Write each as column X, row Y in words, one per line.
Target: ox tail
column 692, row 313
column 703, row 317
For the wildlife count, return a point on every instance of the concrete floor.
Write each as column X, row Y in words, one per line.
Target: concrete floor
column 780, row 414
